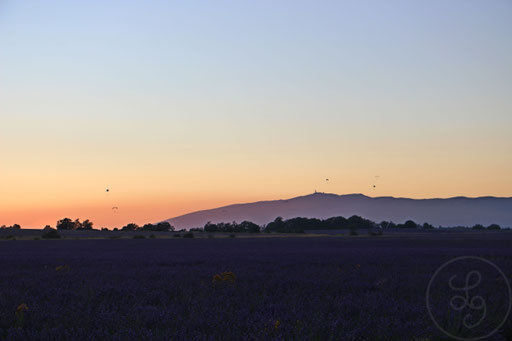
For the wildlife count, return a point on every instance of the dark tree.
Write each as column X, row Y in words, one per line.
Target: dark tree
column 130, row 227
column 359, row 222
column 65, row 224
column 298, row 225
column 275, row 226
column 248, row 226
column 245, row 226
column 409, row 224
column 478, row 227
column 336, row 223
column 13, row 227
column 387, row 224
column 148, row 227
column 164, row 226
column 427, row 226
column 78, row 225
column 209, row 227
column 494, row 227
column 87, row 225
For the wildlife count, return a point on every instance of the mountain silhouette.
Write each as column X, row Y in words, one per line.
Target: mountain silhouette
column 456, row 211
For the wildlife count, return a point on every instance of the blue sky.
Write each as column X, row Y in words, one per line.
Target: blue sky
column 223, row 100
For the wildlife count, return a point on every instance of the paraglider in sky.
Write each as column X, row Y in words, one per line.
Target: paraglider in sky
column 376, row 179
column 326, row 179
column 107, row 190
column 114, row 209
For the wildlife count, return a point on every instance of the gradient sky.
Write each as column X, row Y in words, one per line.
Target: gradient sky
column 184, row 105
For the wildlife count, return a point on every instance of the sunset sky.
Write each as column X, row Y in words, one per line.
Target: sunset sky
column 177, row 106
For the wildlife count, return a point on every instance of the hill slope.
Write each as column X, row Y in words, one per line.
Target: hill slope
column 455, row 211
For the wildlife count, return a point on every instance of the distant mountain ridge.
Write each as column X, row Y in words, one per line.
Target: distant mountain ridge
column 456, row 211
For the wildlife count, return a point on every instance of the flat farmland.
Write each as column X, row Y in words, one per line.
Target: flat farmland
column 289, row 288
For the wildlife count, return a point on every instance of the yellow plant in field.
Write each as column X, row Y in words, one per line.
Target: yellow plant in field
column 228, row 276
column 216, row 279
column 62, row 268
column 277, row 324
column 22, row 307
column 225, row 277
column 20, row 312
column 272, row 328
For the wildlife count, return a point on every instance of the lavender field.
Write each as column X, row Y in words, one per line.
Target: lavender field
column 309, row 288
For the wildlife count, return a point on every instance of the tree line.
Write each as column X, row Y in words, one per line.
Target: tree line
column 68, row 224
column 279, row 225
column 299, row 225
column 12, row 227
column 245, row 226
column 160, row 227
